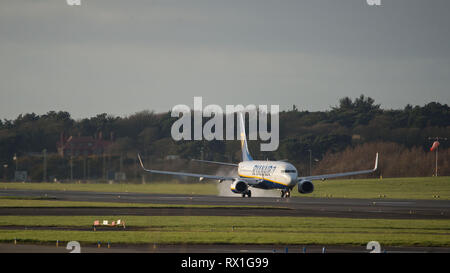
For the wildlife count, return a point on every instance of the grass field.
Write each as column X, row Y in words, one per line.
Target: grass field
column 230, row 230
column 157, row 187
column 233, row 230
column 395, row 188
column 39, row 203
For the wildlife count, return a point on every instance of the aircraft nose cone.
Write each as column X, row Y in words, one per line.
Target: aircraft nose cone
column 293, row 179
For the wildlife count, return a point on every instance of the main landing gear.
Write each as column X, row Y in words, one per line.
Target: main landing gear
column 285, row 193
column 248, row 193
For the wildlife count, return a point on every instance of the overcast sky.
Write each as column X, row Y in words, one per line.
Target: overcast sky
column 121, row 57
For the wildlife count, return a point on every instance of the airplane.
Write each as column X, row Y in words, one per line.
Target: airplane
column 267, row 175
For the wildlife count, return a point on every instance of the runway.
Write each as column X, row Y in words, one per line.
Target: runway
column 260, row 206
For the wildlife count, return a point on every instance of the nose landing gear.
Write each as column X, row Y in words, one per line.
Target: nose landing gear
column 285, row 193
column 248, row 193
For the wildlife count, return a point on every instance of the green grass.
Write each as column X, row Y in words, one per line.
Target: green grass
column 394, row 188
column 234, row 230
column 277, row 238
column 205, row 188
column 39, row 202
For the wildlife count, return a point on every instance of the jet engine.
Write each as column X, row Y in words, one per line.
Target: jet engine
column 305, row 186
column 239, row 186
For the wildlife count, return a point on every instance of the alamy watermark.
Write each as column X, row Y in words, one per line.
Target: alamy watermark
column 213, row 128
column 73, row 2
column 74, row 246
column 373, row 2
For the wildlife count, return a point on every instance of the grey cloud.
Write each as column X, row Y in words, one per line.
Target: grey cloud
column 125, row 56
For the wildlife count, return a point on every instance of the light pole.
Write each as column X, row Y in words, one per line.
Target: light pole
column 44, row 152
column 88, row 168
column 16, row 159
column 5, row 177
column 71, row 168
column 310, row 161
column 135, row 168
column 84, row 168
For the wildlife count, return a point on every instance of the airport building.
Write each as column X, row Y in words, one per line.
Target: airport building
column 83, row 145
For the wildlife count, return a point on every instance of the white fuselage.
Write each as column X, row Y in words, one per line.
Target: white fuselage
column 273, row 174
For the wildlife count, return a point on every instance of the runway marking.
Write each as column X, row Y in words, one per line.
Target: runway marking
column 395, row 203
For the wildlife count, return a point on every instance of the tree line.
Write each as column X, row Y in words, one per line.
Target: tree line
column 304, row 136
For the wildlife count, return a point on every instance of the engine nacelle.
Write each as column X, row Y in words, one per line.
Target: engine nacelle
column 239, row 186
column 305, row 186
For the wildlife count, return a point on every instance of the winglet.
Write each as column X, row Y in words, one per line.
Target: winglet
column 376, row 163
column 140, row 161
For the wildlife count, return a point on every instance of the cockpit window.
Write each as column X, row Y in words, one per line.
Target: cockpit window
column 288, row 171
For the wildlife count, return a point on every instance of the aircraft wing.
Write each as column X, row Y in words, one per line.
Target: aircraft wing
column 326, row 176
column 200, row 176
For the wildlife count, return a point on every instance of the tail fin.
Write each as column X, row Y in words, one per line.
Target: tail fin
column 245, row 154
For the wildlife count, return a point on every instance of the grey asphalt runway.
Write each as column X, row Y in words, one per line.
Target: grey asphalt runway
column 266, row 206
column 261, row 206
